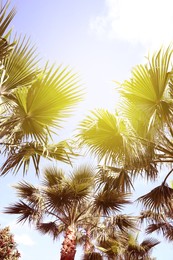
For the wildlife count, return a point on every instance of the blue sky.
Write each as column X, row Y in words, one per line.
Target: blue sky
column 101, row 40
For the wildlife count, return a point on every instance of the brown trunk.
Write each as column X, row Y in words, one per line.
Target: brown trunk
column 68, row 250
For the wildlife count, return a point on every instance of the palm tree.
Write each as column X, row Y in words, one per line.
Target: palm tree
column 71, row 203
column 126, row 247
column 34, row 102
column 137, row 138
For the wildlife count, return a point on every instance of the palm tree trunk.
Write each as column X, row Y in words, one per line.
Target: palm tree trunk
column 68, row 250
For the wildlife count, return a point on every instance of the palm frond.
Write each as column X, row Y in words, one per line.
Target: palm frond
column 151, row 216
column 115, row 178
column 5, row 50
column 142, row 250
column 149, row 243
column 32, row 151
column 51, row 228
column 20, row 67
column 58, row 198
column 29, row 193
column 50, row 99
column 53, row 177
column 110, row 200
column 164, row 228
column 6, row 16
column 27, row 213
column 158, row 200
column 106, row 135
column 92, row 256
column 147, row 93
column 124, row 222
column 81, row 182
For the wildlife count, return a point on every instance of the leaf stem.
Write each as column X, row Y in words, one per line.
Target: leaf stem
column 163, row 183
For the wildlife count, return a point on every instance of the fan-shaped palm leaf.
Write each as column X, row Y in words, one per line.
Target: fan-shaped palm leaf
column 124, row 222
column 110, row 200
column 51, row 228
column 161, row 227
column 114, row 178
column 23, row 155
column 49, row 100
column 151, row 216
column 140, row 251
column 106, row 136
column 6, row 16
column 81, row 181
column 159, row 199
column 30, row 194
column 27, row 212
column 92, row 256
column 20, row 66
column 53, row 177
column 146, row 93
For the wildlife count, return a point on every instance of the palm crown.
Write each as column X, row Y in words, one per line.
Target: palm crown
column 71, row 203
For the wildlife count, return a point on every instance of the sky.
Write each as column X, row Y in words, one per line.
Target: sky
column 102, row 40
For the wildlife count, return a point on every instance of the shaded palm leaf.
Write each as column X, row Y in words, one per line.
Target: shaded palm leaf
column 115, row 178
column 58, row 198
column 23, row 155
column 159, row 199
column 151, row 216
column 53, row 177
column 149, row 243
column 162, row 227
column 114, row 245
column 27, row 213
column 92, row 256
column 124, row 223
column 140, row 251
column 51, row 228
column 30, row 194
column 81, row 182
column 110, row 200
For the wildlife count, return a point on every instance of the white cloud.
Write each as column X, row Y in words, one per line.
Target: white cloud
column 149, row 22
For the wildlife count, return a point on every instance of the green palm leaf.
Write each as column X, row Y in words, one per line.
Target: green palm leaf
column 49, row 100
column 20, row 66
column 147, row 94
column 6, row 16
column 107, row 136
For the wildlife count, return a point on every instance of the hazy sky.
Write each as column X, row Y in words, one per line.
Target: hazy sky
column 101, row 40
